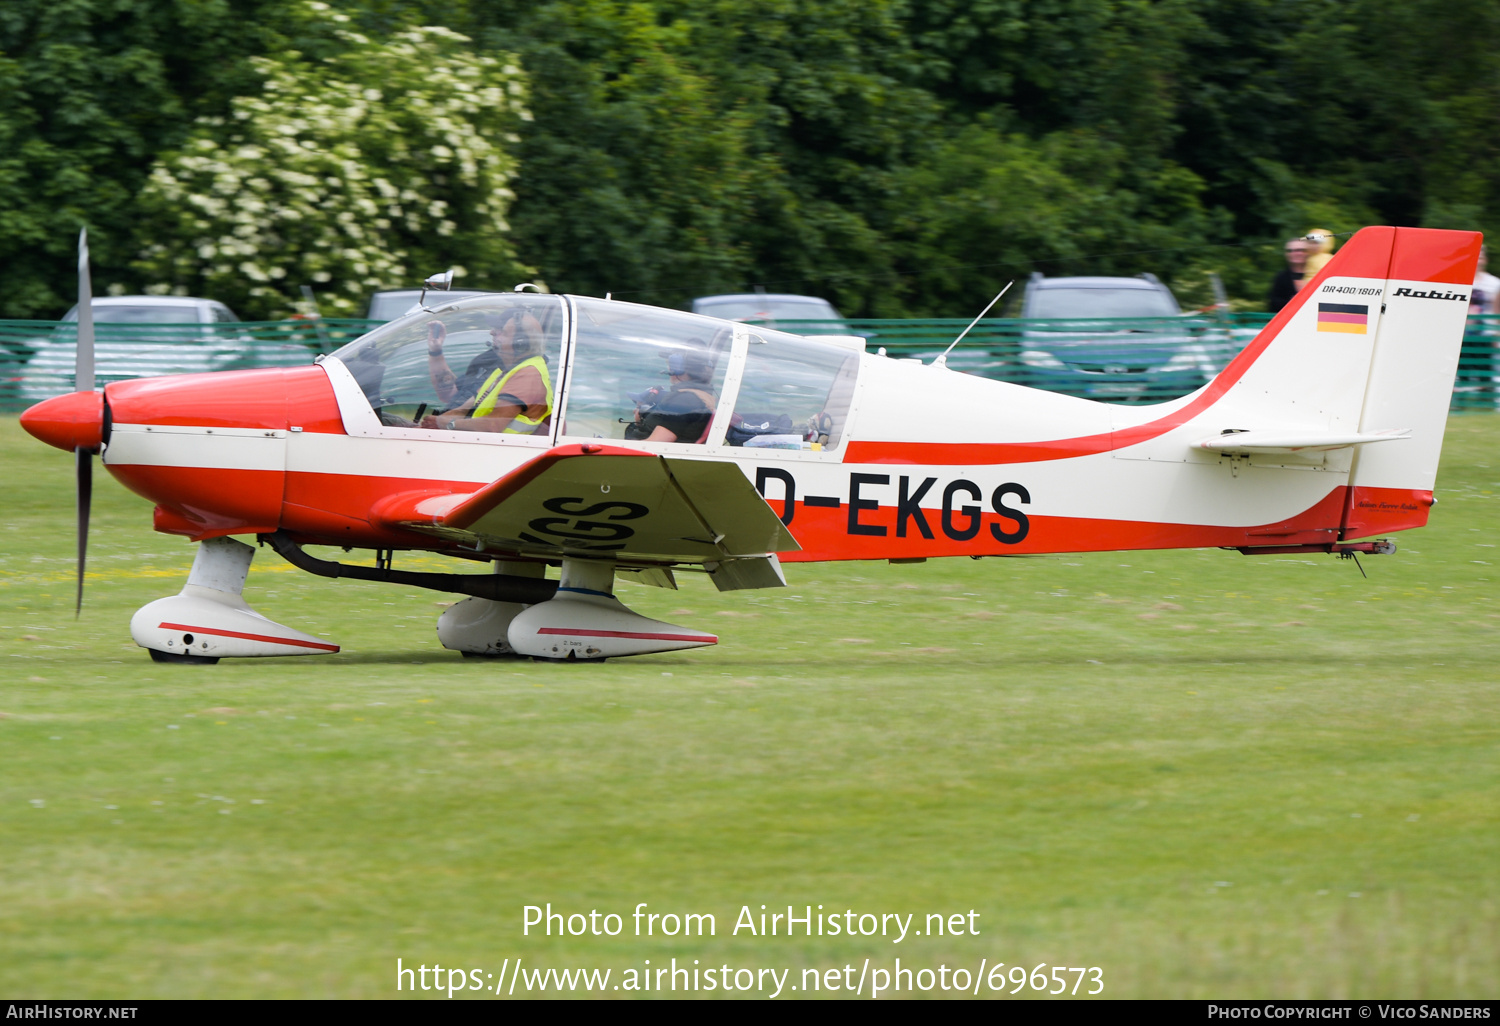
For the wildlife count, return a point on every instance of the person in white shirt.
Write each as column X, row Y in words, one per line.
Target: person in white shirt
column 1476, row 362
column 1485, row 298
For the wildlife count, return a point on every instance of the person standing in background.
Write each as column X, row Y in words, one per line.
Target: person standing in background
column 1289, row 279
column 1475, row 387
column 1485, row 298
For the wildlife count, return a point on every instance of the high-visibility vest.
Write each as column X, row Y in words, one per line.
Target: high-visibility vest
column 494, row 387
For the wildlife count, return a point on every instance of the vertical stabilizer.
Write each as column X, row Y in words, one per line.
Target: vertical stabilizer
column 1369, row 347
column 1426, row 302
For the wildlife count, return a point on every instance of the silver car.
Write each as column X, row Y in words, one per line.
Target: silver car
column 144, row 336
column 766, row 309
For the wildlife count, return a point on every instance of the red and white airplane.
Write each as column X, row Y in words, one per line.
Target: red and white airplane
column 522, row 431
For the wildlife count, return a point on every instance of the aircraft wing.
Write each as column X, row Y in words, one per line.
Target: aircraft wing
column 608, row 502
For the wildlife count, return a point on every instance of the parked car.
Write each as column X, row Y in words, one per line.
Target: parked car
column 767, row 309
column 143, row 336
column 156, row 310
column 1083, row 349
column 387, row 306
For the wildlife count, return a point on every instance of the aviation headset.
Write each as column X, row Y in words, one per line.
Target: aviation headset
column 525, row 345
column 693, row 366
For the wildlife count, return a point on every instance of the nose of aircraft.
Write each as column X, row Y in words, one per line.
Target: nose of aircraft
column 68, row 421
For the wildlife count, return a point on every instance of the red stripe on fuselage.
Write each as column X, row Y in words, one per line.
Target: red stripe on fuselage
column 824, row 533
column 335, row 502
column 340, row 506
column 222, row 501
column 1367, row 255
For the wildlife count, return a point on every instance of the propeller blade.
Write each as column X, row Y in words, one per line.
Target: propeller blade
column 84, row 466
column 83, row 381
column 83, row 377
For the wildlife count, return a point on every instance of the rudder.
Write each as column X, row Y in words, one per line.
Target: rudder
column 1410, row 385
column 1369, row 347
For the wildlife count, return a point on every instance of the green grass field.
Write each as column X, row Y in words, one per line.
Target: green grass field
column 1206, row 774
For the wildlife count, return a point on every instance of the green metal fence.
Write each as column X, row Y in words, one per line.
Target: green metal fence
column 1126, row 361
column 37, row 357
column 1121, row 361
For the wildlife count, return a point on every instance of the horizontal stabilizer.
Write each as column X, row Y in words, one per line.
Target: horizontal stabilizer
column 604, row 501
column 1294, row 441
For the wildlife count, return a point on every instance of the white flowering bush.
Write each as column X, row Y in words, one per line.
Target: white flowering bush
column 368, row 170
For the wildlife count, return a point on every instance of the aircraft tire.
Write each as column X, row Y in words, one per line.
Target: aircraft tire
column 177, row 657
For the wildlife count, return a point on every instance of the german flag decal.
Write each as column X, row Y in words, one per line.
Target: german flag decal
column 1350, row 318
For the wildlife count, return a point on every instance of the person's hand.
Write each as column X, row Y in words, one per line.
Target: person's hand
column 430, row 421
column 437, row 333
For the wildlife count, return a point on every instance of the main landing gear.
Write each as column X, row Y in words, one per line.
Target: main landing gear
column 583, row 620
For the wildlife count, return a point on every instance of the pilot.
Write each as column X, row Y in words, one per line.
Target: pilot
column 682, row 413
column 450, row 389
column 513, row 398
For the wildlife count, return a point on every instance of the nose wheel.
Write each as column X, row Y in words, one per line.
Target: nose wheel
column 210, row 619
column 180, row 657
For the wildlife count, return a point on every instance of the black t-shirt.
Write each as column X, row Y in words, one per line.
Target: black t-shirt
column 475, row 375
column 1283, row 288
column 681, row 411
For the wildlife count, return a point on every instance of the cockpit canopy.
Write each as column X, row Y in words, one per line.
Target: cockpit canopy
column 499, row 363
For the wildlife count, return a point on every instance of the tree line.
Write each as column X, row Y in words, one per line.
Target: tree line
column 898, row 157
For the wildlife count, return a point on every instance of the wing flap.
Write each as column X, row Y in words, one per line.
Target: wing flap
column 746, row 574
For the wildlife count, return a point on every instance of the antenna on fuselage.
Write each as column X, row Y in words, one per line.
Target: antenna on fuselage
column 942, row 361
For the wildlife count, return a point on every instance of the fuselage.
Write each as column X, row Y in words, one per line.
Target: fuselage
column 862, row 456
column 251, row 452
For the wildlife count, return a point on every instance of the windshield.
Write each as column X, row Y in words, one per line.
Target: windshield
column 645, row 374
column 145, row 313
column 487, row 364
column 763, row 310
column 1085, row 302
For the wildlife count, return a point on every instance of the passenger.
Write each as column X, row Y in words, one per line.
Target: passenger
column 514, row 398
column 683, row 413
